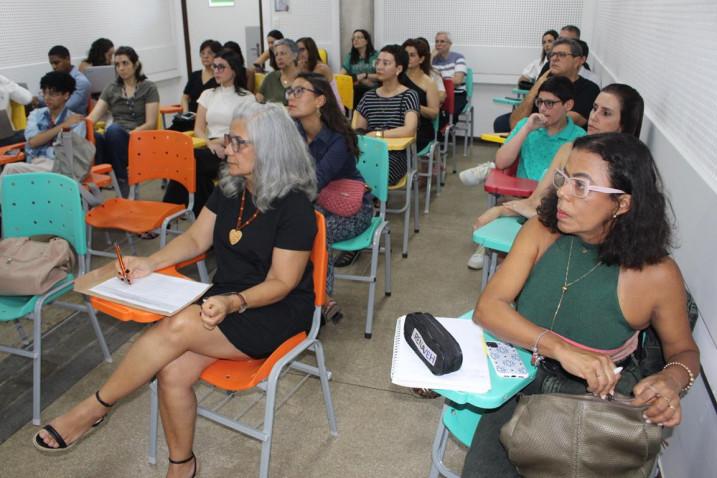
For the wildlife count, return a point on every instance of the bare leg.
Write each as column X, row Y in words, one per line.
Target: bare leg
column 178, row 407
column 156, row 348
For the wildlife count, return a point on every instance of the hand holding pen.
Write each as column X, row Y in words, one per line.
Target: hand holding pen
column 123, row 271
column 130, row 268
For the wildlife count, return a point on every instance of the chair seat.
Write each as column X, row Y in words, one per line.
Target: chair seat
column 130, row 215
column 17, row 306
column 498, row 182
column 362, row 241
column 6, row 158
column 498, row 235
column 99, row 180
column 426, row 151
column 101, row 168
column 401, row 184
column 235, row 375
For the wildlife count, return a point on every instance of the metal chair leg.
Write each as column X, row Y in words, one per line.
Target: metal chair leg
column 153, row 422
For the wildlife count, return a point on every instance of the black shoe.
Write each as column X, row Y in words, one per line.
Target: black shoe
column 345, row 259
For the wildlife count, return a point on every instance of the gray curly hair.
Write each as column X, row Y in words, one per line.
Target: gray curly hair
column 283, row 162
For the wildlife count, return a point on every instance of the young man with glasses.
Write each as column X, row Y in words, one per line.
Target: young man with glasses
column 44, row 124
column 537, row 138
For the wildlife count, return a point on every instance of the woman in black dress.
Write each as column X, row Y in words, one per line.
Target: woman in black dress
column 260, row 222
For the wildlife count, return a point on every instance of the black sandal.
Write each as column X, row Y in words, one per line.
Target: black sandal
column 345, row 259
column 40, row 444
column 425, row 393
column 187, row 460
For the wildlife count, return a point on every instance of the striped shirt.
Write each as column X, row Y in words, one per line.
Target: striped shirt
column 388, row 113
column 449, row 66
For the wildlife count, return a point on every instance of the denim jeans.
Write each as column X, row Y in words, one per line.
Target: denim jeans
column 112, row 148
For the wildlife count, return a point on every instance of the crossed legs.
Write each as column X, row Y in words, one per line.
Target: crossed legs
column 177, row 349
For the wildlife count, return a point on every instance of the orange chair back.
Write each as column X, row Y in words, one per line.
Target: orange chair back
column 320, row 260
column 161, row 155
column 90, row 127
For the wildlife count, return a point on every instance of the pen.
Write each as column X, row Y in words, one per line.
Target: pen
column 123, row 269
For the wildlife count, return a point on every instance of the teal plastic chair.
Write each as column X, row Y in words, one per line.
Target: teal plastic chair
column 462, row 411
column 36, row 204
column 497, row 238
column 373, row 165
column 430, row 153
column 466, row 120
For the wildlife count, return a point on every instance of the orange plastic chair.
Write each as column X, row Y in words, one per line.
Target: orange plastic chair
column 238, row 375
column 152, row 155
column 168, row 110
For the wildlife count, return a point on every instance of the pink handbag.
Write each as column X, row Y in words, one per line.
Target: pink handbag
column 342, row 197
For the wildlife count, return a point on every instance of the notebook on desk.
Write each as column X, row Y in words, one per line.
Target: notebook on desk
column 474, row 376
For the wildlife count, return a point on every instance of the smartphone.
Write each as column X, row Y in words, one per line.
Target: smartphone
column 506, row 361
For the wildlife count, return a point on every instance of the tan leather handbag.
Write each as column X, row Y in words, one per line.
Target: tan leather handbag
column 557, row 435
column 32, row 267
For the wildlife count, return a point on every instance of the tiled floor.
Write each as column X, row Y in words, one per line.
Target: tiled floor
column 384, row 430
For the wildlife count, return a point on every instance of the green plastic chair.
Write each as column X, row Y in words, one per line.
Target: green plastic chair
column 429, row 155
column 44, row 204
column 466, row 120
column 497, row 238
column 373, row 165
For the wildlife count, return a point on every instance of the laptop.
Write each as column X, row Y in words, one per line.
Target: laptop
column 100, row 77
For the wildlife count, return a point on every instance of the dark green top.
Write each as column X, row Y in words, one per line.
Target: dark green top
column 590, row 313
column 272, row 89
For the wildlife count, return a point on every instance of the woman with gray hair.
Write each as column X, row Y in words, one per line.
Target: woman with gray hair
column 260, row 222
column 274, row 86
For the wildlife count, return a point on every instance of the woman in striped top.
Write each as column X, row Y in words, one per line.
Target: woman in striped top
column 391, row 110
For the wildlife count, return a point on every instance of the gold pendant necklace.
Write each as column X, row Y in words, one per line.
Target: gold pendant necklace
column 235, row 234
column 566, row 285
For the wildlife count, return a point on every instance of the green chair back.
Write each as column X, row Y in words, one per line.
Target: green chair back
column 43, row 204
column 462, row 420
column 373, row 165
column 469, row 84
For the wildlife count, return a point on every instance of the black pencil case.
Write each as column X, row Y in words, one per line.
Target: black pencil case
column 433, row 344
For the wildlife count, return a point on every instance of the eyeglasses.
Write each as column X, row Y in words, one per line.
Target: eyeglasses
column 52, row 93
column 580, row 187
column 298, row 91
column 547, row 103
column 234, row 141
column 559, row 54
column 219, row 66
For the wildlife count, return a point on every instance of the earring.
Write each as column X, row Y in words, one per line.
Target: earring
column 614, row 216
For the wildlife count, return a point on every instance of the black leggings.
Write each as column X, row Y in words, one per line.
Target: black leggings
column 207, row 170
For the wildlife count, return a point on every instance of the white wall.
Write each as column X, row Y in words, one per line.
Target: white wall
column 29, row 29
column 220, row 23
column 690, row 186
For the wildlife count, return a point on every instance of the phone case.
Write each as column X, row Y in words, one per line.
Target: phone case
column 506, row 361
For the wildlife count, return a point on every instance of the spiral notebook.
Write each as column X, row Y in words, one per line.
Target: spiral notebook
column 474, row 376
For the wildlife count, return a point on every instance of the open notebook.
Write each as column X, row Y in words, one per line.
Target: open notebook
column 159, row 293
column 407, row 369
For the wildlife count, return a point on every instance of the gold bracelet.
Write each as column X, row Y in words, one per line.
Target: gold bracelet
column 687, row 387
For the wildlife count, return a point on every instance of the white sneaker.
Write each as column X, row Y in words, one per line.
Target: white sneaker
column 476, row 176
column 476, row 260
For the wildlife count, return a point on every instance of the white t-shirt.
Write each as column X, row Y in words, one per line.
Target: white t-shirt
column 533, row 69
column 9, row 90
column 220, row 103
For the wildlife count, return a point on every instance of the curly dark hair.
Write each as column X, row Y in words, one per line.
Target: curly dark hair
column 643, row 235
column 96, row 55
column 331, row 113
column 58, row 81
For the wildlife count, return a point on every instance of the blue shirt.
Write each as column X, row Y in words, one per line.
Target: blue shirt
column 333, row 158
column 539, row 148
column 81, row 97
column 40, row 120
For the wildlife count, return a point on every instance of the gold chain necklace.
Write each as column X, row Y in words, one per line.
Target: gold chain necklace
column 566, row 285
column 235, row 234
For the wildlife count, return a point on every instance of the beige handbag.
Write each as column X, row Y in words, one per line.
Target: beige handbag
column 33, row 267
column 557, row 435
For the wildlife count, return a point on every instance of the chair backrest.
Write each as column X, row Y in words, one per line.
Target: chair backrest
column 469, row 84
column 345, row 85
column 449, row 105
column 324, row 55
column 18, row 116
column 320, row 260
column 373, row 165
column 43, row 204
column 162, row 154
column 258, row 80
column 90, row 127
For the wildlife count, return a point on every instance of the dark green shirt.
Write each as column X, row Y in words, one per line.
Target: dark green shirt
column 272, row 89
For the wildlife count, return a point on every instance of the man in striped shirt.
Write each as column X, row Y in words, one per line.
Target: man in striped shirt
column 451, row 64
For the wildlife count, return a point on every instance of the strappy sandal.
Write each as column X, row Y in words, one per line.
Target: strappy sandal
column 40, row 444
column 148, row 236
column 345, row 259
column 187, row 460
column 331, row 311
column 425, row 393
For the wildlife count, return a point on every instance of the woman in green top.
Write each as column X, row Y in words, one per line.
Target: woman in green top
column 590, row 272
column 360, row 64
column 133, row 101
column 273, row 88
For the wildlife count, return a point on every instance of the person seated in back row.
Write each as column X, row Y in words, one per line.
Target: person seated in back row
column 59, row 58
column 44, row 124
column 11, row 91
column 452, row 66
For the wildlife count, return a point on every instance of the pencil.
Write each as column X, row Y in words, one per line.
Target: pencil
column 123, row 269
